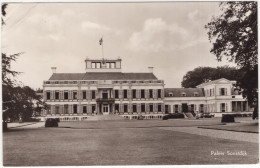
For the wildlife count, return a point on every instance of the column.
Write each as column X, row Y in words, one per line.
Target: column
column 241, row 104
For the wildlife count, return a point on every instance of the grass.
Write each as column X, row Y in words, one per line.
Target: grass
column 119, row 143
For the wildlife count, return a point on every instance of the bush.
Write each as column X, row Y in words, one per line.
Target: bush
column 57, row 119
column 228, row 118
column 51, row 122
column 173, row 116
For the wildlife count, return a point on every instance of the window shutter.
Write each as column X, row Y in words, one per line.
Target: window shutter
column 146, row 107
column 219, row 91
column 154, row 93
column 129, row 94
column 225, row 91
column 162, row 93
column 169, row 108
column 146, row 93
column 138, row 107
column 96, row 94
column 220, row 107
column 44, row 95
column 155, row 107
column 226, row 107
column 61, row 109
column 52, row 96
column 120, row 94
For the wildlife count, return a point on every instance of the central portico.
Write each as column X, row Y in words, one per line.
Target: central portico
column 105, row 102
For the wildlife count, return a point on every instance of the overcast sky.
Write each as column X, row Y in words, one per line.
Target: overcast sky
column 168, row 36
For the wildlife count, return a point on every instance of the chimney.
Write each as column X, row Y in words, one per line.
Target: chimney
column 53, row 69
column 150, row 69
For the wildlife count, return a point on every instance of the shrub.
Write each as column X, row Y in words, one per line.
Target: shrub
column 228, row 118
column 57, row 119
column 51, row 122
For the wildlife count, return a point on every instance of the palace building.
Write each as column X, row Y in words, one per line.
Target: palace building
column 105, row 90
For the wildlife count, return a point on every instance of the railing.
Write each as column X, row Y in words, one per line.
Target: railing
column 105, row 99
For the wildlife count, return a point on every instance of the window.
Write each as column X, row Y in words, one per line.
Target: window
column 170, row 94
column 66, row 95
column 104, row 94
column 159, row 93
column 48, row 95
column 98, row 65
column 134, row 108
column 222, row 91
column 150, row 93
column 201, row 108
column 125, row 94
column 107, row 65
column 75, row 108
column 93, row 94
column 112, row 65
column 125, row 108
column 176, row 107
column 84, row 96
column 223, row 107
column 57, row 109
column 134, row 93
column 151, row 107
column 93, row 65
column 142, row 94
column 57, row 95
column 166, row 109
column 142, row 107
column 116, row 94
column 84, row 109
column 183, row 94
column 159, row 107
column 210, row 92
column 116, row 108
column 66, row 108
column 196, row 94
column 75, row 94
column 93, row 110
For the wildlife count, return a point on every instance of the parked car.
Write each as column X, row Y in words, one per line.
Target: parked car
column 206, row 115
column 140, row 117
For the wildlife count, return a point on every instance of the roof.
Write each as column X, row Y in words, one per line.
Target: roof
column 218, row 81
column 103, row 76
column 177, row 92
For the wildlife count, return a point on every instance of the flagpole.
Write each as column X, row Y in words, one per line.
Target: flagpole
column 102, row 48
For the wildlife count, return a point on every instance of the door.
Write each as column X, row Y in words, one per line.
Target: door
column 105, row 109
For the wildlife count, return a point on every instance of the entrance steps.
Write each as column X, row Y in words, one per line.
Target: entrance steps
column 189, row 115
column 106, row 117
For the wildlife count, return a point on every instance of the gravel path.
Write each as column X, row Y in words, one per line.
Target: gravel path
column 238, row 136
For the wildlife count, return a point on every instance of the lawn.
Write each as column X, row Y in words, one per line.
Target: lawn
column 125, row 143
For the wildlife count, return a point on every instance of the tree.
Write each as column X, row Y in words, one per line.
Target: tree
column 234, row 36
column 204, row 74
column 18, row 101
column 234, row 33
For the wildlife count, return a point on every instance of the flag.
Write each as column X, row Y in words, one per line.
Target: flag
column 101, row 41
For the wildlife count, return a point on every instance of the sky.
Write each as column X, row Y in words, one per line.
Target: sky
column 169, row 36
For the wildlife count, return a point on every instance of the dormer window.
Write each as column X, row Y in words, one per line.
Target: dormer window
column 170, row 94
column 183, row 94
column 196, row 94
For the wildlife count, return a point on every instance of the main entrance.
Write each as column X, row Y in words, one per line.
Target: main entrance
column 105, row 109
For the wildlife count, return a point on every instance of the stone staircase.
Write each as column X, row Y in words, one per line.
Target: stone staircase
column 189, row 115
column 106, row 117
